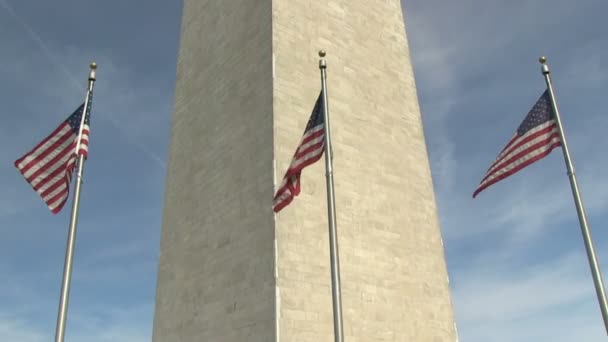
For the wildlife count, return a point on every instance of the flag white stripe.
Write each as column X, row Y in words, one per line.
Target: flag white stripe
column 57, row 178
column 52, row 168
column 56, row 203
column 285, row 195
column 312, row 154
column 309, row 144
column 312, row 131
column 84, row 138
column 42, row 149
column 44, row 163
column 287, row 192
column 310, row 148
column 508, row 152
column 57, row 191
column 516, row 163
column 84, row 147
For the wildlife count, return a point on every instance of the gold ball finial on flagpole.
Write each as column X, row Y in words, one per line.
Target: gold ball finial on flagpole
column 322, row 61
column 544, row 67
column 92, row 75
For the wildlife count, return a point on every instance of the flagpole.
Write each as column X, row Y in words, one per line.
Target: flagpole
column 331, row 210
column 69, row 253
column 582, row 217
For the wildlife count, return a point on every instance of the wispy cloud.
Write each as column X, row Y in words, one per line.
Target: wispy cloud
column 538, row 302
column 438, row 63
column 515, row 253
column 18, row 330
column 43, row 47
column 103, row 323
column 489, row 291
column 100, row 308
column 98, row 324
column 114, row 273
column 134, row 105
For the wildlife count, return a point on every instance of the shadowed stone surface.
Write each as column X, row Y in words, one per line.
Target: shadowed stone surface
column 247, row 81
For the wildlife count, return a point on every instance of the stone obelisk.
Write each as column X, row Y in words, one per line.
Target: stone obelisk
column 231, row 270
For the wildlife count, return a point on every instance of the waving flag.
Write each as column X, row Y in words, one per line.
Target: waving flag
column 535, row 138
column 309, row 150
column 48, row 167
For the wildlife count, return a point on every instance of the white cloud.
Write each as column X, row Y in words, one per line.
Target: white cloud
column 531, row 201
column 16, row 330
column 105, row 324
column 438, row 57
column 476, row 69
column 550, row 301
column 130, row 105
column 494, row 293
column 90, row 319
column 113, row 282
column 29, row 30
column 101, row 324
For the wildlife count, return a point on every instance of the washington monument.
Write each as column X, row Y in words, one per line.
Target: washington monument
column 230, row 269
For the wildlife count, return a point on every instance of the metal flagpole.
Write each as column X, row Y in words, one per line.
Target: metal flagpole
column 331, row 211
column 582, row 217
column 69, row 253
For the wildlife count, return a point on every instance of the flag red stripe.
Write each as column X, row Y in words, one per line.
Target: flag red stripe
column 51, row 158
column 53, row 187
column 539, row 136
column 311, row 136
column 309, row 150
column 63, row 191
column 84, row 141
column 39, row 157
column 291, row 188
column 51, row 163
column 47, row 179
column 314, row 152
column 288, row 186
column 521, row 154
column 62, row 197
column 64, row 185
column 518, row 141
column 32, row 151
column 59, row 183
column 515, row 164
column 283, row 203
column 281, row 191
column 305, row 163
column 519, row 167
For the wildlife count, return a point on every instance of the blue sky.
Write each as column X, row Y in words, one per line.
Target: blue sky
column 515, row 256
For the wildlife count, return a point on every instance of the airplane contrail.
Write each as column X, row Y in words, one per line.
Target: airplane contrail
column 47, row 52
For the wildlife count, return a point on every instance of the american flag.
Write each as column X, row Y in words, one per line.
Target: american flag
column 535, row 138
column 309, row 150
column 48, row 167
